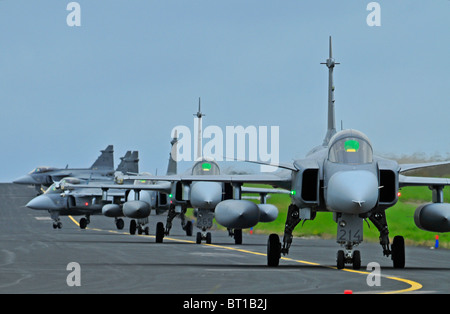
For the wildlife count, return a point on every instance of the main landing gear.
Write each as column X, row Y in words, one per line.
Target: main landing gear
column 85, row 221
column 236, row 234
column 161, row 232
column 139, row 226
column 274, row 248
column 397, row 249
column 119, row 223
column 349, row 235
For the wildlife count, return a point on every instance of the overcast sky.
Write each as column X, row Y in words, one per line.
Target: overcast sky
column 134, row 69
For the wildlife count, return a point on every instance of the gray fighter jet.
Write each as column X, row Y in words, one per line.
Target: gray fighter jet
column 136, row 202
column 204, row 197
column 43, row 177
column 341, row 176
column 86, row 201
column 176, row 197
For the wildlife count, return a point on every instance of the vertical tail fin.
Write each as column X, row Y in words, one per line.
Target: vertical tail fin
column 129, row 163
column 121, row 166
column 172, row 166
column 133, row 162
column 105, row 160
column 331, row 117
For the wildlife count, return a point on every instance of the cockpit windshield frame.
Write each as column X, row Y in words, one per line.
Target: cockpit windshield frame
column 205, row 167
column 41, row 170
column 351, row 148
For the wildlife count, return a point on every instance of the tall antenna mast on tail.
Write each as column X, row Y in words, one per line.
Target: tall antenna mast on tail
column 331, row 117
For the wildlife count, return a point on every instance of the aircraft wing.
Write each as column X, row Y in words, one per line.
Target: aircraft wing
column 246, row 189
column 56, row 177
column 270, row 179
column 161, row 187
column 92, row 192
column 409, row 167
column 422, row 181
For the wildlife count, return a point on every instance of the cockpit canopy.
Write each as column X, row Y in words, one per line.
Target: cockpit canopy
column 205, row 167
column 57, row 186
column 41, row 170
column 350, row 147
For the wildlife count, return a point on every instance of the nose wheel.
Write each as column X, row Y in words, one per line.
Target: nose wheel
column 203, row 236
column 348, row 257
column 57, row 224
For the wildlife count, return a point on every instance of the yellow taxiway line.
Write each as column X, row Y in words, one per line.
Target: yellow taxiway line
column 414, row 286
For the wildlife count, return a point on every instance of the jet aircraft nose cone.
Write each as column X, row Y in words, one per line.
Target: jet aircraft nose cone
column 42, row 202
column 206, row 194
column 352, row 192
column 26, row 179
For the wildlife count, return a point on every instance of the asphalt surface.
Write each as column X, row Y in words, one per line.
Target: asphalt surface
column 34, row 258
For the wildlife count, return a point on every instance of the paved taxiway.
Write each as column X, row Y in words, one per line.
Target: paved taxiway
column 34, row 257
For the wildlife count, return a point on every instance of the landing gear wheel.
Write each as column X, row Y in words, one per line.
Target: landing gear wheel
column 189, row 228
column 159, row 232
column 133, row 226
column 57, row 225
column 83, row 223
column 237, row 236
column 398, row 252
column 273, row 250
column 202, row 236
column 340, row 260
column 120, row 224
column 356, row 260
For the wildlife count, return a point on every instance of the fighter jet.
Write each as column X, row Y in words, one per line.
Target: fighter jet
column 342, row 176
column 43, row 177
column 136, row 202
column 87, row 201
column 141, row 197
column 174, row 197
column 198, row 194
column 205, row 196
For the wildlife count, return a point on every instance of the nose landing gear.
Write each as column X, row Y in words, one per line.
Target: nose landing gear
column 348, row 257
column 349, row 235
